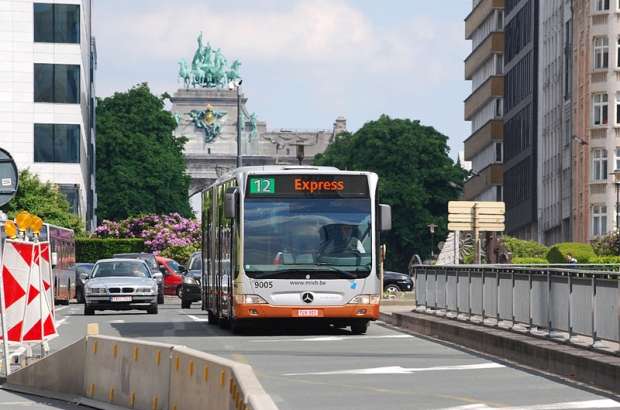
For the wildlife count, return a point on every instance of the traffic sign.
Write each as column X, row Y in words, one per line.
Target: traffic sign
column 466, row 226
column 493, row 219
column 483, row 207
column 8, row 177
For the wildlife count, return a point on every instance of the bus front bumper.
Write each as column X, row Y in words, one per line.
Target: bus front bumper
column 255, row 311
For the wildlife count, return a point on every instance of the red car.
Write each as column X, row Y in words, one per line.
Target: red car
column 173, row 275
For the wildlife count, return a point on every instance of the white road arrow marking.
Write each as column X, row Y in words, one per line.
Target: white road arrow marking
column 404, row 370
column 332, row 338
column 197, row 319
column 588, row 404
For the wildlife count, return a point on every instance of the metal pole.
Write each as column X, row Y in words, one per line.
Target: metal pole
column 617, row 206
column 5, row 338
column 238, row 125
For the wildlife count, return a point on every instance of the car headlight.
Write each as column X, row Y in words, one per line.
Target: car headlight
column 96, row 291
column 188, row 280
column 147, row 290
column 249, row 299
column 365, row 300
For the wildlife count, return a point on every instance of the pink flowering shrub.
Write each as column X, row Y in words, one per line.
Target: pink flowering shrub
column 159, row 232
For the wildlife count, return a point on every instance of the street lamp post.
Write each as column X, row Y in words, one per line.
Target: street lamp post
column 616, row 175
column 431, row 228
column 239, row 123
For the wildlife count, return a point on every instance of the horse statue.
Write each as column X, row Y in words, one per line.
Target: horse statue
column 233, row 73
column 185, row 72
column 198, row 76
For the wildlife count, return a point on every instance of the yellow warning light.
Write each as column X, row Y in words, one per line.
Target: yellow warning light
column 23, row 220
column 36, row 224
column 10, row 229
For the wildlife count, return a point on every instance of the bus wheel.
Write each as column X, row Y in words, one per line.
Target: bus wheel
column 185, row 304
column 237, row 327
column 212, row 318
column 359, row 327
column 88, row 311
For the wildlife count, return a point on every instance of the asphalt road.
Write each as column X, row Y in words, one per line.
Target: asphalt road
column 333, row 369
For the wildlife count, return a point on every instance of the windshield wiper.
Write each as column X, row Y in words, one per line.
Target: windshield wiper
column 348, row 275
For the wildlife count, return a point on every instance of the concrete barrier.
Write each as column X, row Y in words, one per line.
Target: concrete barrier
column 111, row 373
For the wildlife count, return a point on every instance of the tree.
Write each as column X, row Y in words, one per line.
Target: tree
column 140, row 165
column 416, row 177
column 44, row 200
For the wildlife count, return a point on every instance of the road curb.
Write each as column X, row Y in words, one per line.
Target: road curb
column 584, row 366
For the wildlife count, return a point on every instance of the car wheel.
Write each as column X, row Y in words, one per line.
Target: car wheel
column 392, row 290
column 180, row 292
column 360, row 327
column 80, row 296
column 153, row 310
column 88, row 311
column 185, row 304
column 160, row 299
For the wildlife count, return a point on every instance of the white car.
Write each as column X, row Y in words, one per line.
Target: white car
column 120, row 284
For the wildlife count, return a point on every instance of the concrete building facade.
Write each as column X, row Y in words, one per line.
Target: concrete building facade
column 484, row 26
column 596, row 124
column 47, row 106
column 554, row 121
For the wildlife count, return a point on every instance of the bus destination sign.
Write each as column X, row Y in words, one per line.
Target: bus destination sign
column 288, row 185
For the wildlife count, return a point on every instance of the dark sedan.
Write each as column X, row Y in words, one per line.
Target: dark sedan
column 190, row 292
column 396, row 282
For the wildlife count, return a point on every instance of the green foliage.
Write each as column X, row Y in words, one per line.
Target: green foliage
column 608, row 245
column 604, row 260
column 180, row 254
column 140, row 165
column 529, row 261
column 524, row 249
column 44, row 200
column 416, row 177
column 91, row 250
column 583, row 252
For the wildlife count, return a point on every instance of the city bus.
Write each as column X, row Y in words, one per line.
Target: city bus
column 62, row 248
column 292, row 242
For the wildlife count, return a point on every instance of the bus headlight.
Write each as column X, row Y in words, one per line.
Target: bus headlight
column 365, row 300
column 249, row 299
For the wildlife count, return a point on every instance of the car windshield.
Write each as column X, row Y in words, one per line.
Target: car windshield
column 301, row 234
column 174, row 265
column 195, row 263
column 121, row 268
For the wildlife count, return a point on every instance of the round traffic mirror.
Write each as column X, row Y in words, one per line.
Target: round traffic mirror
column 9, row 178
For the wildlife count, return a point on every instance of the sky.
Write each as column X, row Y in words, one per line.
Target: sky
column 304, row 62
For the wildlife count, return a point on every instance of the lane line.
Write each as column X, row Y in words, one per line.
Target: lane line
column 333, row 338
column 197, row 319
column 588, row 404
column 61, row 322
column 61, row 308
column 404, row 370
column 117, row 321
column 18, row 403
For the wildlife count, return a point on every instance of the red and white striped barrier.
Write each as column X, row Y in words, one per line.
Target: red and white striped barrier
column 27, row 293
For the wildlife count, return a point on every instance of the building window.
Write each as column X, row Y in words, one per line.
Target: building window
column 599, row 109
column 499, row 63
column 57, row 143
column 599, row 164
column 601, row 5
column 498, row 193
column 57, row 83
column 617, row 168
column 618, row 49
column 618, row 106
column 499, row 152
column 601, row 52
column 599, row 220
column 56, row 23
column 72, row 193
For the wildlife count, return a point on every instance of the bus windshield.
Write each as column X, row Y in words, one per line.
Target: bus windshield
column 304, row 235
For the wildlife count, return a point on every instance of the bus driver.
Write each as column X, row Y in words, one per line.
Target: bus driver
column 344, row 240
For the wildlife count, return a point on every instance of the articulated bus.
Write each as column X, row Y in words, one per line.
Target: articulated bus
column 62, row 249
column 292, row 242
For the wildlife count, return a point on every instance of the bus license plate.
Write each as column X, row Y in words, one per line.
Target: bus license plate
column 121, row 298
column 308, row 312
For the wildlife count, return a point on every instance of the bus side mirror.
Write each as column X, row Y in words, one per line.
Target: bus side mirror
column 385, row 217
column 230, row 203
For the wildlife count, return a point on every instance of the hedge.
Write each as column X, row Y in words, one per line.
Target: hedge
column 529, row 261
column 583, row 252
column 524, row 249
column 603, row 260
column 91, row 250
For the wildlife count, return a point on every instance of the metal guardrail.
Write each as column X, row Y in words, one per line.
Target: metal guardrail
column 546, row 300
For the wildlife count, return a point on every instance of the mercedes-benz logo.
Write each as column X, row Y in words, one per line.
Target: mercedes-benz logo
column 307, row 297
